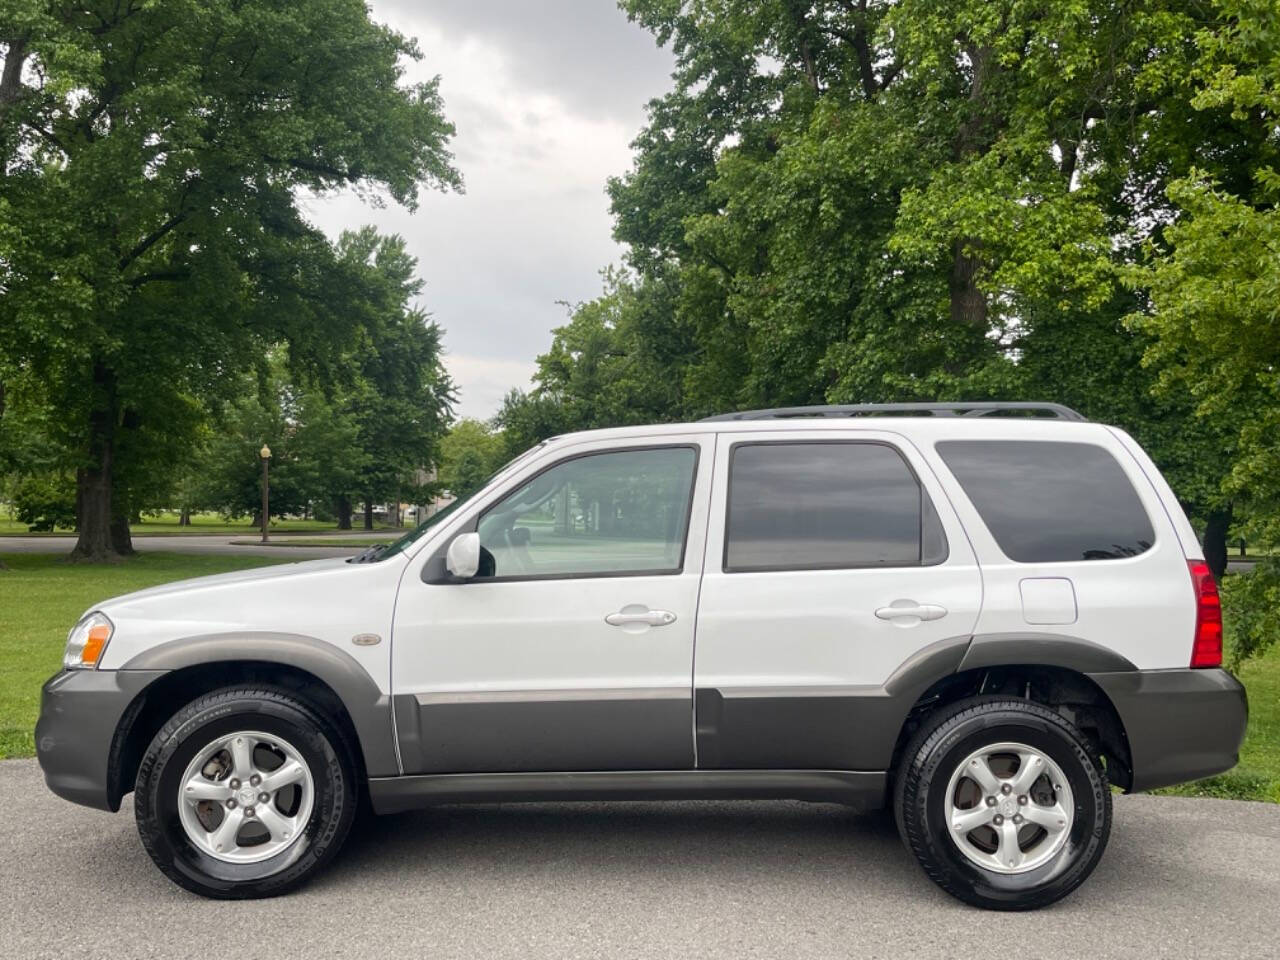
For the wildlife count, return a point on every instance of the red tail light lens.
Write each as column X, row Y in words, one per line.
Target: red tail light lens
column 1206, row 651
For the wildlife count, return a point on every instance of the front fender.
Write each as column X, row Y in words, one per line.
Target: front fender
column 368, row 707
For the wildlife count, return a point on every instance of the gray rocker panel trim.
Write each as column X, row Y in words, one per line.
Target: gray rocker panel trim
column 545, row 730
column 861, row 790
column 835, row 727
column 368, row 707
column 857, row 727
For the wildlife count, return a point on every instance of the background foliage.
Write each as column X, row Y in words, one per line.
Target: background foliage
column 848, row 200
column 152, row 250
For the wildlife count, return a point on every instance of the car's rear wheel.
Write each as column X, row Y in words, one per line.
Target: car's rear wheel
column 1004, row 803
column 245, row 792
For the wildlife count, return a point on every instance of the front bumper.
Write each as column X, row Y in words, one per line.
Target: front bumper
column 1181, row 724
column 80, row 712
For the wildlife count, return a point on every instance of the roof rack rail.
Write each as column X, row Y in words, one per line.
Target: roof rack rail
column 982, row 408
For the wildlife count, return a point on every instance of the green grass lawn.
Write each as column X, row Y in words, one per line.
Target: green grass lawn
column 201, row 523
column 41, row 597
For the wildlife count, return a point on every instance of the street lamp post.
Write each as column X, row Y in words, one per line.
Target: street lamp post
column 265, row 453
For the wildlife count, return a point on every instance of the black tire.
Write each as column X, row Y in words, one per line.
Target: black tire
column 264, row 709
column 943, row 742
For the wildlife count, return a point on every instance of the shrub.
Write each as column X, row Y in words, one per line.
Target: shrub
column 45, row 501
column 1251, row 610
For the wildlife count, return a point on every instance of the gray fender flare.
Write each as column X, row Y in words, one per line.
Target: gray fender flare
column 1042, row 649
column 955, row 655
column 368, row 707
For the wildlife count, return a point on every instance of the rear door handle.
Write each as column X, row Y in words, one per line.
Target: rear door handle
column 902, row 610
column 628, row 616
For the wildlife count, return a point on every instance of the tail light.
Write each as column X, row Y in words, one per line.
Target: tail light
column 1206, row 650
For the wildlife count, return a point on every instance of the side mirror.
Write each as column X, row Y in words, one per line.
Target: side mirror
column 463, row 557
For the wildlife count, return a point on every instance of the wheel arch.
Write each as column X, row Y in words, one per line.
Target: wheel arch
column 1051, row 680
column 329, row 680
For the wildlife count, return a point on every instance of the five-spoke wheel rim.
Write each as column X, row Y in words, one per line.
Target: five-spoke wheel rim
column 1009, row 808
column 245, row 797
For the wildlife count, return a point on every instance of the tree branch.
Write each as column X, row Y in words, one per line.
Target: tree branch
column 151, row 239
column 859, row 40
column 347, row 176
column 144, row 278
column 800, row 21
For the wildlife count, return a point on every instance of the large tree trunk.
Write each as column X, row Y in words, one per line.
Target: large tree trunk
column 11, row 77
column 94, row 511
column 976, row 134
column 122, row 517
column 968, row 302
column 1215, row 541
column 343, row 508
column 121, row 540
column 368, row 514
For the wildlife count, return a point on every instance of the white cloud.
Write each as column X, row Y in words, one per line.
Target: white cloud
column 488, row 380
column 537, row 139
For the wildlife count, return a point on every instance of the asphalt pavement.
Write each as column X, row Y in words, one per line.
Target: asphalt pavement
column 1182, row 878
column 200, row 544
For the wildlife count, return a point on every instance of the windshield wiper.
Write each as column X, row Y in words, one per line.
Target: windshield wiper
column 369, row 553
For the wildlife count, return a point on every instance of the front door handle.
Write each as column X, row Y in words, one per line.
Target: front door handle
column 631, row 616
column 908, row 612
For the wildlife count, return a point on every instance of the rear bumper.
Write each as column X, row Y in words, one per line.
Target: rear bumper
column 80, row 711
column 1181, row 724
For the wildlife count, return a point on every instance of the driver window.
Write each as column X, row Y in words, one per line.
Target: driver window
column 606, row 513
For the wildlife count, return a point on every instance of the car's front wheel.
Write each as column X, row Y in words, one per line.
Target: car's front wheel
column 245, row 792
column 1004, row 803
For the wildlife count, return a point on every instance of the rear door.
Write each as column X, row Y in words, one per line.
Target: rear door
column 833, row 558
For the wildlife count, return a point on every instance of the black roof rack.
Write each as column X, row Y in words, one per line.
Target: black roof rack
column 982, row 408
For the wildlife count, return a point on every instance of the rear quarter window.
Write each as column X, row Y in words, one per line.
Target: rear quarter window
column 1049, row 501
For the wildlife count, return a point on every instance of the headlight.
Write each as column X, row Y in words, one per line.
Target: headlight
column 87, row 640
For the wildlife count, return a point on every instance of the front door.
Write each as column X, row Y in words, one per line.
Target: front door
column 572, row 650
column 834, row 561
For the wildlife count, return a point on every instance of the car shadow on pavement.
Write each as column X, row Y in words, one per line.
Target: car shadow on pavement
column 632, row 840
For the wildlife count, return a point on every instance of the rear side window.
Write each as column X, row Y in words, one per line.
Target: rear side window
column 813, row 506
column 1046, row 501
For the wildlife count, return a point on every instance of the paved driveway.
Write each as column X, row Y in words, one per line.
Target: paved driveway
column 197, row 544
column 694, row 881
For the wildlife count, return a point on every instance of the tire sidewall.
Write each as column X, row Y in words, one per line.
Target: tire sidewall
column 928, row 807
column 159, row 786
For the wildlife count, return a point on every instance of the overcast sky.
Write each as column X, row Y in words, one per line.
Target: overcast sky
column 546, row 97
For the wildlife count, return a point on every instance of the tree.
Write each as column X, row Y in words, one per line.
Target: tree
column 600, row 370
column 1213, row 289
column 264, row 410
column 528, row 418
column 400, row 396
column 846, row 201
column 469, row 454
column 371, row 433
column 866, row 202
column 151, row 244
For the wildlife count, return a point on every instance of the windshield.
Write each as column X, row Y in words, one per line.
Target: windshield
column 381, row 551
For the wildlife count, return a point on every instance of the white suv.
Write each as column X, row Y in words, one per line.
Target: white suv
column 982, row 615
